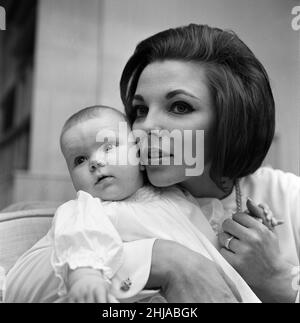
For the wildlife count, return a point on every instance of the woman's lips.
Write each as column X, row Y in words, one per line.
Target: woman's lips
column 156, row 156
column 154, row 153
column 159, row 158
column 165, row 160
column 157, row 153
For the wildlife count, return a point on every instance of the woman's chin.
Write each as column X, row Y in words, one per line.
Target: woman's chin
column 165, row 176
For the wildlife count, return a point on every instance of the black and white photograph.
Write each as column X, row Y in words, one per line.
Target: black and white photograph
column 182, row 115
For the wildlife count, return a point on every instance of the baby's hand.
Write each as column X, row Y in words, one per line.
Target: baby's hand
column 88, row 285
column 88, row 289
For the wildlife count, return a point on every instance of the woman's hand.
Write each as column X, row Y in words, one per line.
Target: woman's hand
column 254, row 252
column 186, row 276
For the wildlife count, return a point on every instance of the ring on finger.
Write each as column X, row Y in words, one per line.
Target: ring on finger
column 227, row 242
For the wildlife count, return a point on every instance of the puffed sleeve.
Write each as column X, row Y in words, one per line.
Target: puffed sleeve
column 83, row 236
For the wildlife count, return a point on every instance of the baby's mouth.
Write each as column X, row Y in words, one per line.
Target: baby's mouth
column 101, row 178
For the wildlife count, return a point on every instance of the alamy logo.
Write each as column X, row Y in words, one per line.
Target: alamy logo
column 155, row 148
column 2, row 18
column 296, row 20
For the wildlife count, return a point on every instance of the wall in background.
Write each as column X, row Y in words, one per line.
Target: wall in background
column 82, row 47
column 265, row 26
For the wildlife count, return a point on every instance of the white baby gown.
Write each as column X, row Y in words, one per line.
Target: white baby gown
column 88, row 232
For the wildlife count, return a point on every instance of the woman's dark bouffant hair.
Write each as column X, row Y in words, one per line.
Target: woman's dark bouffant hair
column 239, row 88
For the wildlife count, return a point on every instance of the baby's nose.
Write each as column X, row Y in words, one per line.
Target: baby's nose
column 97, row 161
column 94, row 165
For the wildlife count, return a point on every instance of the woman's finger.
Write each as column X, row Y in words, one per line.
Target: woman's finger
column 255, row 210
column 267, row 211
column 263, row 211
column 247, row 220
column 231, row 257
column 234, row 245
column 235, row 229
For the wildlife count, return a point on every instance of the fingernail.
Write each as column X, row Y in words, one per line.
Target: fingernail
column 266, row 211
column 279, row 222
column 250, row 200
column 269, row 216
column 274, row 222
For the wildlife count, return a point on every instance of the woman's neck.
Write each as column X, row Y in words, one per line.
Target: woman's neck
column 204, row 186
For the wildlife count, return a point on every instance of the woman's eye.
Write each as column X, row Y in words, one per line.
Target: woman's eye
column 140, row 111
column 79, row 160
column 181, row 108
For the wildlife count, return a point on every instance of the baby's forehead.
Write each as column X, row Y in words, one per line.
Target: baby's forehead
column 105, row 126
column 94, row 113
column 104, row 117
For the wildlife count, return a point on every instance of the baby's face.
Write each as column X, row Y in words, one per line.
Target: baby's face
column 94, row 163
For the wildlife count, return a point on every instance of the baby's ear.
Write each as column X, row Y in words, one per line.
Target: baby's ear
column 142, row 167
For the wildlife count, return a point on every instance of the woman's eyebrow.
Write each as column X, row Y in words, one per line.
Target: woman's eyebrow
column 171, row 94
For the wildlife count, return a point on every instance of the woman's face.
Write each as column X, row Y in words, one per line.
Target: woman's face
column 173, row 95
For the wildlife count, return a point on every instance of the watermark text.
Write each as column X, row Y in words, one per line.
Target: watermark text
column 296, row 19
column 159, row 147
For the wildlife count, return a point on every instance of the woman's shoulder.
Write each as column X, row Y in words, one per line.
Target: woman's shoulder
column 266, row 176
column 272, row 186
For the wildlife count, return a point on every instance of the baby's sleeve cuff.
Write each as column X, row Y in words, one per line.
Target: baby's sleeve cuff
column 86, row 259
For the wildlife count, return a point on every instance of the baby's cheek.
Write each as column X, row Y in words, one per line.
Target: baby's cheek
column 79, row 180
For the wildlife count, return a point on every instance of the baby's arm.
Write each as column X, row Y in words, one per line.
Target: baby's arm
column 88, row 285
column 84, row 239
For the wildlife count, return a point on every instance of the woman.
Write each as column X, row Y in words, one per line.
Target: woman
column 197, row 77
column 201, row 78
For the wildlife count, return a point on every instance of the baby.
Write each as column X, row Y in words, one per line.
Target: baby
column 114, row 205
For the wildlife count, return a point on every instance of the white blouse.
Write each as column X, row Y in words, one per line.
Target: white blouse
column 85, row 232
column 281, row 192
column 32, row 277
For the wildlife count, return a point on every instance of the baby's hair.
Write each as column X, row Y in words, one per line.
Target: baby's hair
column 86, row 114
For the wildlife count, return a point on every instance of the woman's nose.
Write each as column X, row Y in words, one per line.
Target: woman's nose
column 151, row 122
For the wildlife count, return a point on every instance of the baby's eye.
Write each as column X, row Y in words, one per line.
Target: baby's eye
column 181, row 108
column 79, row 160
column 109, row 146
